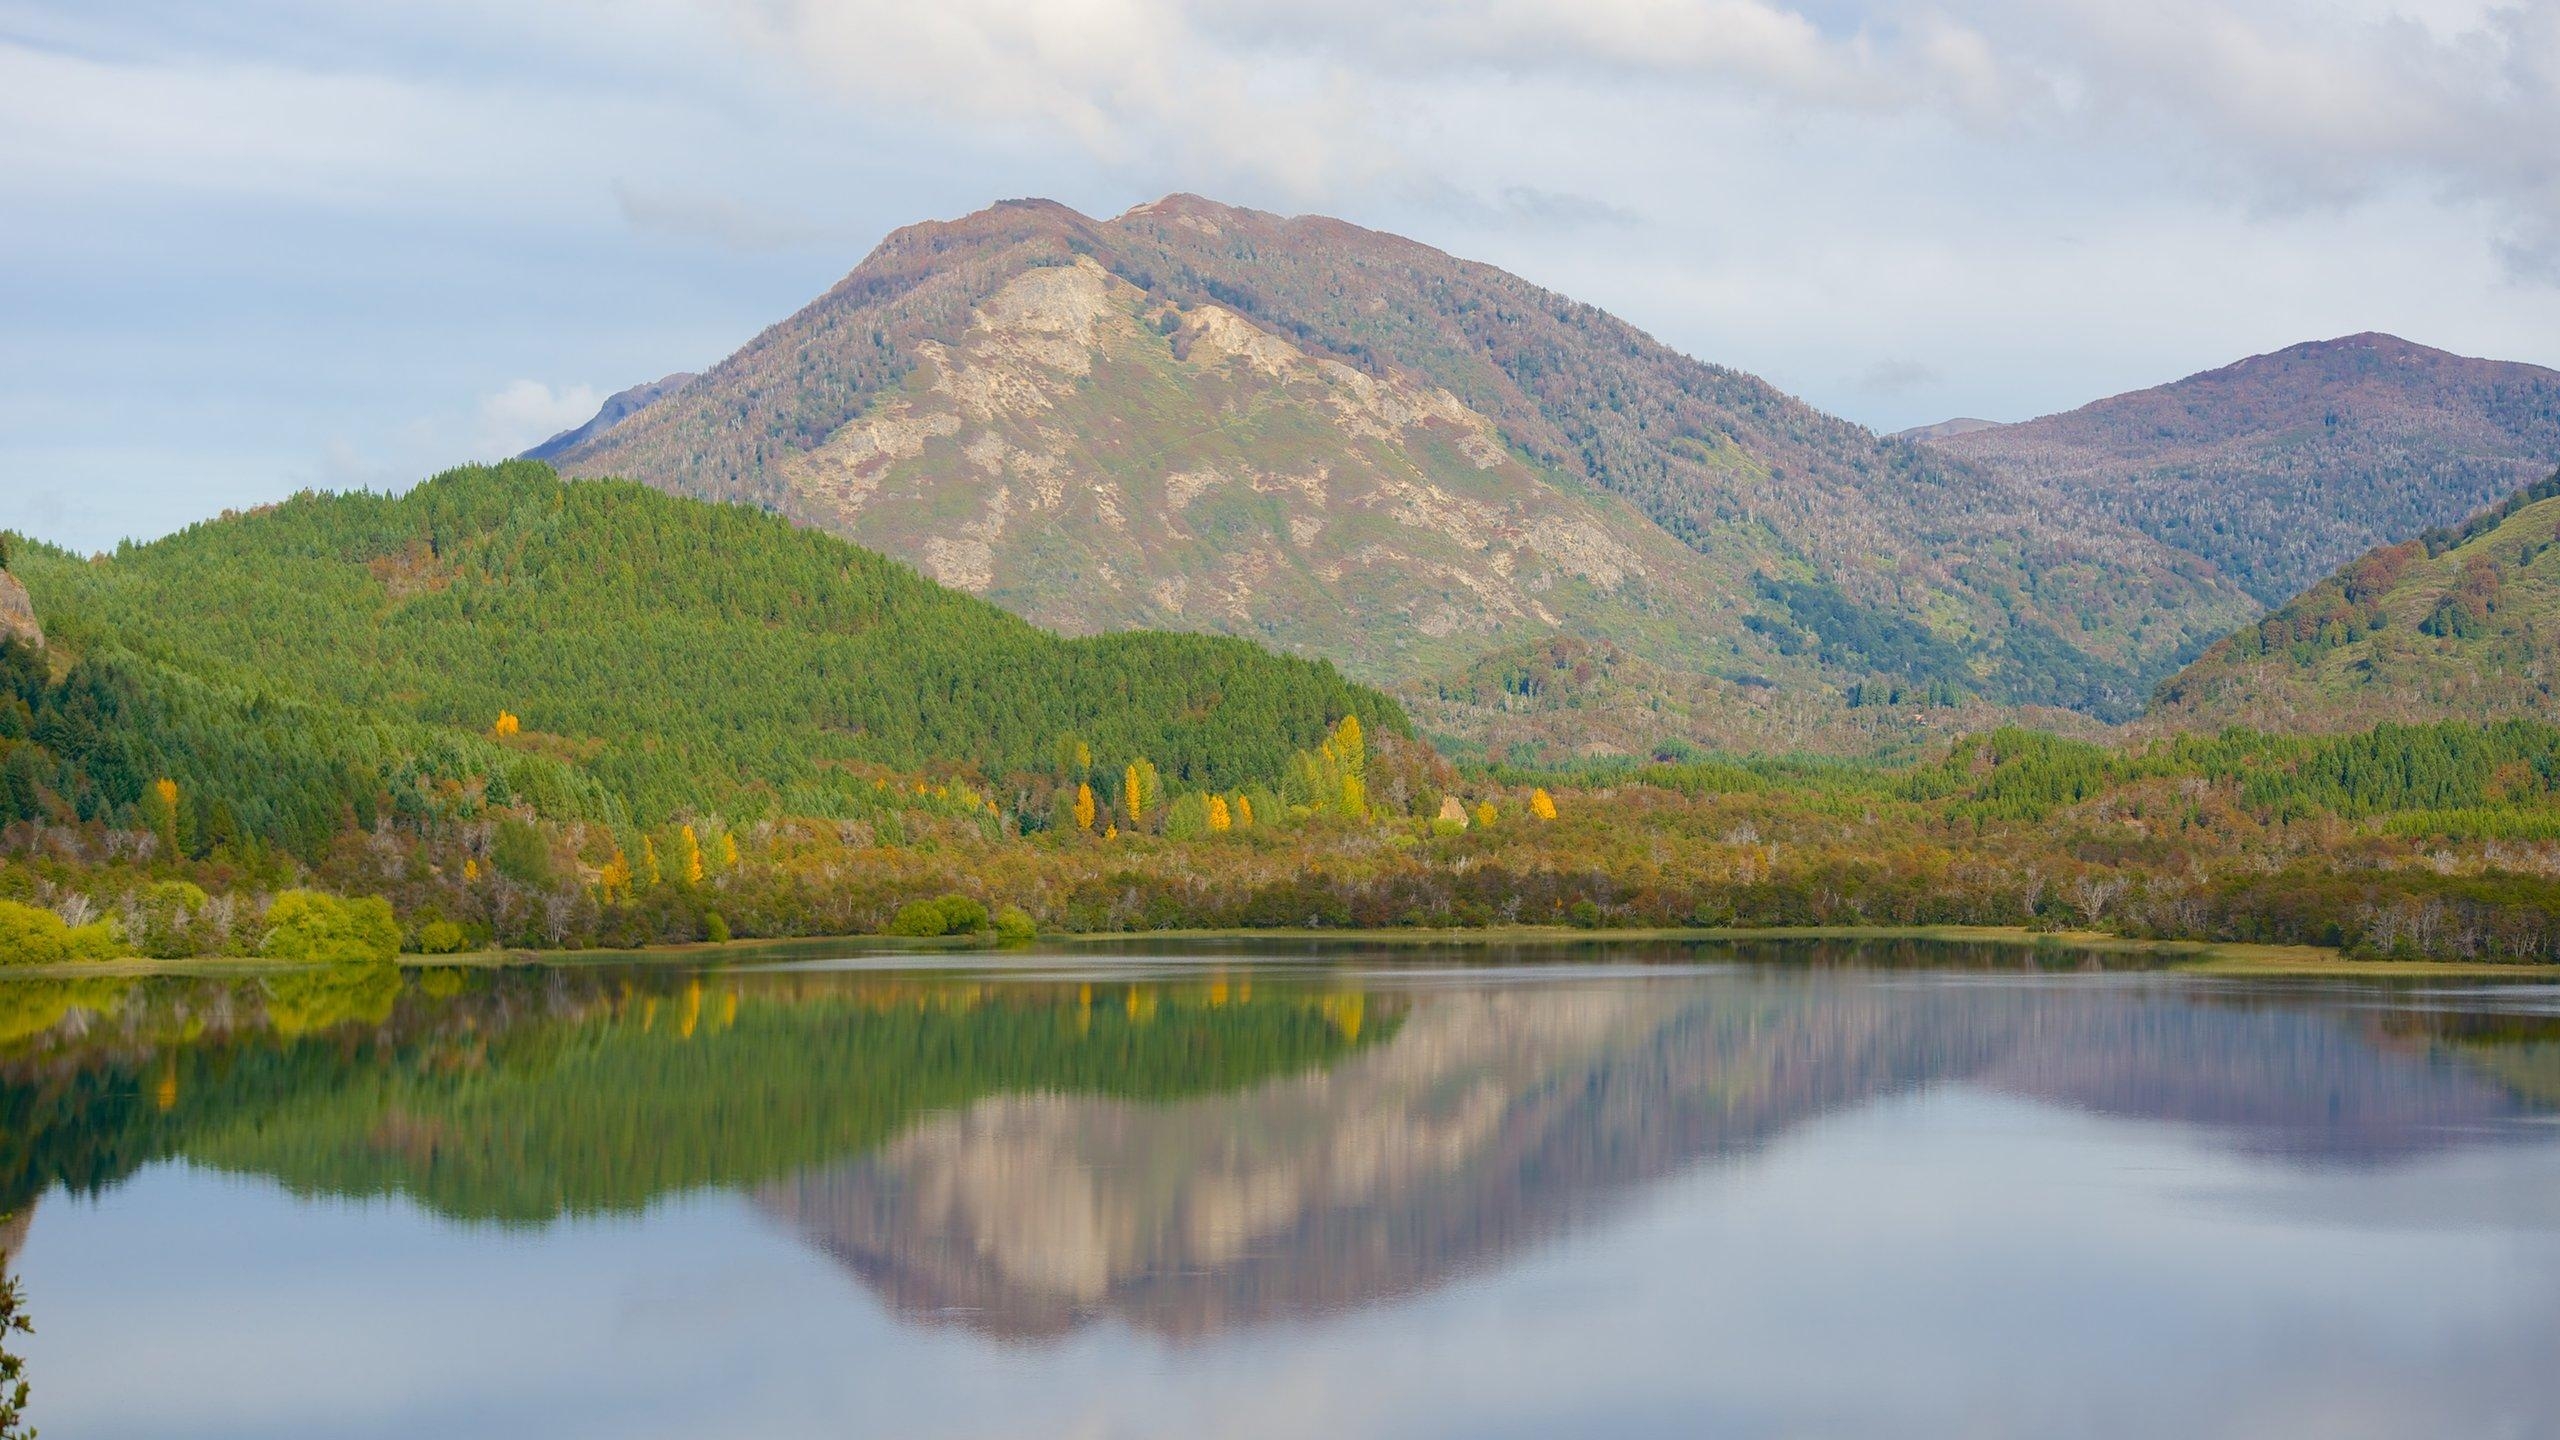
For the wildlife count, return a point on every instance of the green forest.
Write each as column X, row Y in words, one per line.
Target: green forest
column 510, row 711
column 336, row 658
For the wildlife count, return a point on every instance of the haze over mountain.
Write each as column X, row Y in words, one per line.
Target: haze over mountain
column 2284, row 466
column 1352, row 445
column 2461, row 625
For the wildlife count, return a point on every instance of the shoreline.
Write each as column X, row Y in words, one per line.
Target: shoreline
column 2192, row 957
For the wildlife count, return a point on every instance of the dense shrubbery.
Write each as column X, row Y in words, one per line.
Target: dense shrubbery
column 29, row 936
column 949, row 915
column 2438, row 840
column 307, row 925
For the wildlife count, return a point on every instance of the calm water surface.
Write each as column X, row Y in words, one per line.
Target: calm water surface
column 1284, row 1191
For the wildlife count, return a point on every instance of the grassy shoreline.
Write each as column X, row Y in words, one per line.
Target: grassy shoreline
column 2198, row 957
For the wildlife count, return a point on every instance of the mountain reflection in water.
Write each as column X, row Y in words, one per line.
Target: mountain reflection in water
column 1182, row 1147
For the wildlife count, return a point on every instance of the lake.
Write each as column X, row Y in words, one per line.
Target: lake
column 1288, row 1189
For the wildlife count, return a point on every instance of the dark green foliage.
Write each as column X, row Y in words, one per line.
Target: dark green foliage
column 1862, row 638
column 2388, row 770
column 253, row 770
column 665, row 656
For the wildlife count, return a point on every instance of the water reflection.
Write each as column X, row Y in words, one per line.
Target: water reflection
column 1189, row 1147
column 1317, row 1190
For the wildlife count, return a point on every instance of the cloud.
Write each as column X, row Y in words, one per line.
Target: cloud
column 1563, row 208
column 1137, row 84
column 527, row 412
column 719, row 220
column 1896, row 378
column 2277, row 103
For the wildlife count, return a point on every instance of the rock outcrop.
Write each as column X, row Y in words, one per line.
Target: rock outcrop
column 17, row 612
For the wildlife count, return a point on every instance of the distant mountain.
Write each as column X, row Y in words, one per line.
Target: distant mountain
column 1351, row 445
column 337, row 654
column 2458, row 625
column 2282, row 467
column 621, row 405
column 1945, row 429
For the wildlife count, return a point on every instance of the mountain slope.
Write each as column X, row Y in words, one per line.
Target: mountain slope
column 670, row 655
column 2283, row 466
column 1352, row 445
column 619, row 406
column 2461, row 625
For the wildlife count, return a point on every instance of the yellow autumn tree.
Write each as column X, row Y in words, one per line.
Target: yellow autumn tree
column 650, row 876
column 1220, row 819
column 728, row 851
column 1485, row 813
column 507, row 724
column 1141, row 788
column 614, row 880
column 1542, row 804
column 1244, row 811
column 1084, row 806
column 1334, row 775
column 689, row 855
column 471, row 870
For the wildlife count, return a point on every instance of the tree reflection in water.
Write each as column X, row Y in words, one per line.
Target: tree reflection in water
column 1180, row 1147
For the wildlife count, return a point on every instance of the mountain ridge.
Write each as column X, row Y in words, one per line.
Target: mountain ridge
column 1824, row 556
column 2454, row 625
column 2279, row 467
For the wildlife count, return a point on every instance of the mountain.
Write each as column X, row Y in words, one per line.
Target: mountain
column 2282, row 467
column 621, row 405
column 1351, row 445
column 1945, row 429
column 2456, row 625
column 341, row 657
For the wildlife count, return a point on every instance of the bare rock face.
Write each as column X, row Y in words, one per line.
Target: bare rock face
column 1343, row 443
column 17, row 612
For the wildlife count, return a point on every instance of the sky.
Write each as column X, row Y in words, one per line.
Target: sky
column 270, row 245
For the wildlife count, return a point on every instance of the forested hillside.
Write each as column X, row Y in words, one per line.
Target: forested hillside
column 585, row 650
column 1406, row 462
column 2457, row 624
column 2284, row 466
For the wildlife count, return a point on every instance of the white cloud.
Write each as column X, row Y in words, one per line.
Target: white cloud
column 1137, row 84
column 527, row 412
column 2281, row 102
